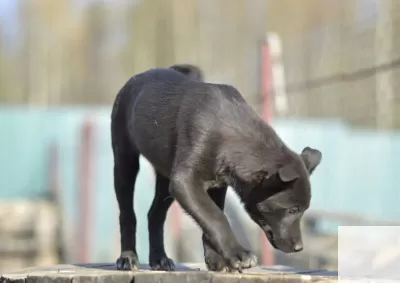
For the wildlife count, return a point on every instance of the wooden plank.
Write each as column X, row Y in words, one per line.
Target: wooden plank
column 190, row 272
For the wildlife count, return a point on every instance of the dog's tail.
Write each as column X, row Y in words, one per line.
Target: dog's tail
column 191, row 71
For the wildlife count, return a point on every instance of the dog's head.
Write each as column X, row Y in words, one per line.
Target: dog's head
column 279, row 200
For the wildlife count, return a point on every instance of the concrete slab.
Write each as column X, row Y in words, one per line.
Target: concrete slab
column 190, row 272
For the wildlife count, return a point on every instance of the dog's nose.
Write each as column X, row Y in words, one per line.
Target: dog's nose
column 298, row 248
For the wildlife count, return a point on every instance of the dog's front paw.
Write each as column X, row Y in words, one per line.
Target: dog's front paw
column 160, row 261
column 239, row 258
column 214, row 262
column 128, row 261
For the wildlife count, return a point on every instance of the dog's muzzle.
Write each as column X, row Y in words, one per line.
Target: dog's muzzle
column 278, row 244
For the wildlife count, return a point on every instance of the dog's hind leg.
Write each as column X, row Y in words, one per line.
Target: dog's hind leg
column 126, row 167
column 156, row 217
column 213, row 260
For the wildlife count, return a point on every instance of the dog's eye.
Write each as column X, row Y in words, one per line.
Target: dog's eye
column 294, row 210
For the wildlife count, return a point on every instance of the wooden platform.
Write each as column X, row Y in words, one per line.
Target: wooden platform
column 106, row 273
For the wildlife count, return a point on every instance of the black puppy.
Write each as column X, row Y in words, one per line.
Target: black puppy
column 202, row 138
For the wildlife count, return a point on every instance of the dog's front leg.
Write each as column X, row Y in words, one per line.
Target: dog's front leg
column 214, row 261
column 188, row 190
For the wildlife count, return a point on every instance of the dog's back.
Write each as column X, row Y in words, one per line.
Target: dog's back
column 129, row 92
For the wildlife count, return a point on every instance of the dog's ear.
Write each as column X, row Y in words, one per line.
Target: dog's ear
column 311, row 157
column 288, row 173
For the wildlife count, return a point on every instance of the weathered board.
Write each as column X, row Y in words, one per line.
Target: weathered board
column 185, row 273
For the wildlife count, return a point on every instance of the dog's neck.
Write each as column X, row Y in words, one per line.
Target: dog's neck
column 229, row 178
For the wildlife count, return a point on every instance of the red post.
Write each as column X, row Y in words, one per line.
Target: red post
column 176, row 213
column 266, row 87
column 266, row 81
column 85, row 193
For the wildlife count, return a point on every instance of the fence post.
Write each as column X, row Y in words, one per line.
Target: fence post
column 176, row 214
column 266, row 87
column 85, row 191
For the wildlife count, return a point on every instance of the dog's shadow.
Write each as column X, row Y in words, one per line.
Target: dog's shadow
column 143, row 267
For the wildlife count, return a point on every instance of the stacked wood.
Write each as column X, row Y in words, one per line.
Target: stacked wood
column 28, row 234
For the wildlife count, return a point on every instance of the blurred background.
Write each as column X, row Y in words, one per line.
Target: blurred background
column 322, row 72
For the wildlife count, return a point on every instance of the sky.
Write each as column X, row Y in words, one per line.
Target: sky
column 8, row 19
column 9, row 14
